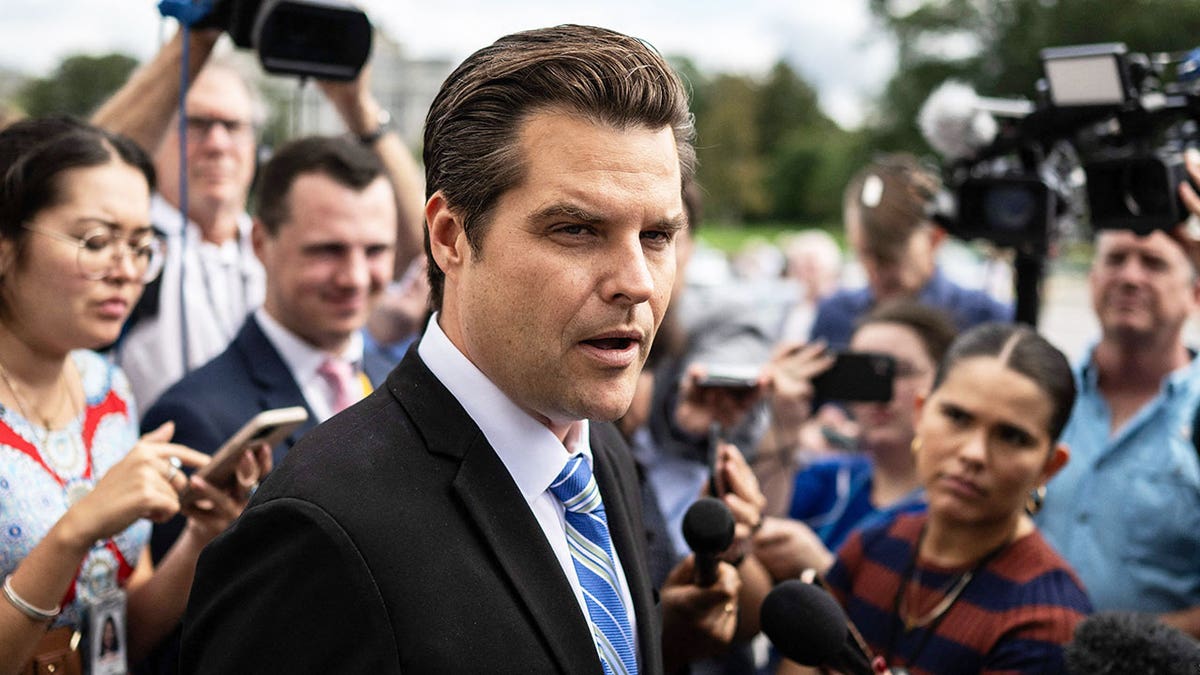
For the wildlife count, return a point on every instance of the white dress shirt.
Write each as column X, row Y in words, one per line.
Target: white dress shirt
column 303, row 360
column 532, row 454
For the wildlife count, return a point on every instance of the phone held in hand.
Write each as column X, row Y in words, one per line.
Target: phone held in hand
column 857, row 376
column 268, row 426
column 730, row 376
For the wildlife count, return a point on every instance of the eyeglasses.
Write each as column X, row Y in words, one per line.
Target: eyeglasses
column 199, row 127
column 100, row 251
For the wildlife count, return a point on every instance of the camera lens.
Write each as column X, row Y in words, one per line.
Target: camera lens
column 1009, row 208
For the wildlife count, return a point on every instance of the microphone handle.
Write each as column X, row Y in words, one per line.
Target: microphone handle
column 706, row 570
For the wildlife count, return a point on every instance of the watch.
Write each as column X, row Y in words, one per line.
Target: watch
column 382, row 126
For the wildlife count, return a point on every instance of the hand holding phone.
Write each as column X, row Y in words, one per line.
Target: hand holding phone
column 269, row 426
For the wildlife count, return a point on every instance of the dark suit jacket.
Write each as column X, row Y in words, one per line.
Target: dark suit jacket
column 212, row 402
column 393, row 539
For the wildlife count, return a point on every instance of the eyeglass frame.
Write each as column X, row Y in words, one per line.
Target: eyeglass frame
column 121, row 248
column 198, row 127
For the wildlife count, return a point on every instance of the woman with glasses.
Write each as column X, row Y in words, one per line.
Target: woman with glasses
column 833, row 496
column 77, row 484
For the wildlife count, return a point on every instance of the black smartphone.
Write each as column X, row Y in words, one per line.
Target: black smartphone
column 857, row 376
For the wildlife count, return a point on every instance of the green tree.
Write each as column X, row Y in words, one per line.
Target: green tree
column 78, row 86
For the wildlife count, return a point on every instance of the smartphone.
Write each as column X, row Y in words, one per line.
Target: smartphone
column 730, row 376
column 268, row 426
column 857, row 376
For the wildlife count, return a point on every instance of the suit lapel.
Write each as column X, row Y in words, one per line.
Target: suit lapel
column 276, row 386
column 499, row 511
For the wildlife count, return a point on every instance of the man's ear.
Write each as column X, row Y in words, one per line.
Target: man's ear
column 447, row 238
column 937, row 235
column 259, row 237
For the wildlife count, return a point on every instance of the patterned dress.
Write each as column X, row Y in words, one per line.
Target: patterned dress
column 42, row 473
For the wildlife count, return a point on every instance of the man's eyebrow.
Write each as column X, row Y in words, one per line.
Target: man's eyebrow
column 570, row 211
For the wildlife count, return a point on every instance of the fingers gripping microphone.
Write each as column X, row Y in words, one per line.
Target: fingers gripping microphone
column 808, row 626
column 708, row 529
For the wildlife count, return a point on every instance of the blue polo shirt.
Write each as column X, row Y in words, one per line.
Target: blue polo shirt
column 838, row 314
column 1125, row 510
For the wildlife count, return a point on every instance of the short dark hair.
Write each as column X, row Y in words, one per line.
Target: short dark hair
column 907, row 190
column 933, row 327
column 35, row 152
column 1029, row 354
column 344, row 161
column 471, row 152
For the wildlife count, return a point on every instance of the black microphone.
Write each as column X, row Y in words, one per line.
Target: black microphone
column 1130, row 642
column 708, row 529
column 808, row 626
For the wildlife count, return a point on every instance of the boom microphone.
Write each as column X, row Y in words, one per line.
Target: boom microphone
column 808, row 626
column 1108, row 643
column 708, row 529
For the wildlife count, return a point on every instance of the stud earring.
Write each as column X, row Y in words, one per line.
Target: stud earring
column 916, row 445
column 1037, row 497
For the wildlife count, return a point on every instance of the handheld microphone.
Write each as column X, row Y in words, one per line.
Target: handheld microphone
column 808, row 626
column 708, row 529
column 1130, row 642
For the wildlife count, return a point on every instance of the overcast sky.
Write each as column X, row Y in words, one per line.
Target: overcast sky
column 831, row 43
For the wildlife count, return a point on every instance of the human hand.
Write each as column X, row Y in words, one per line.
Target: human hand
column 737, row 487
column 699, row 406
column 790, row 374
column 698, row 621
column 787, row 547
column 354, row 102
column 144, row 484
column 213, row 508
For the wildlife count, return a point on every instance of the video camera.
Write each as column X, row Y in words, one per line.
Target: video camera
column 1108, row 124
column 325, row 39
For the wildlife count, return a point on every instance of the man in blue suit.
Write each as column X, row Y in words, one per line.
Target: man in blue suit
column 325, row 232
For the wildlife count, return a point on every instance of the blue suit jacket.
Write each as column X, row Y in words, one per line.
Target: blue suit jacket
column 212, row 402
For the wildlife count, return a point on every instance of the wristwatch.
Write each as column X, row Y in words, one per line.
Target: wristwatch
column 382, row 126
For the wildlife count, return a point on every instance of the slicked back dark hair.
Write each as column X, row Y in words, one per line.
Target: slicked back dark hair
column 344, row 161
column 1023, row 351
column 471, row 151
column 35, row 152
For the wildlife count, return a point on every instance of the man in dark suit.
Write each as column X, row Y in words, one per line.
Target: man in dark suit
column 451, row 521
column 324, row 231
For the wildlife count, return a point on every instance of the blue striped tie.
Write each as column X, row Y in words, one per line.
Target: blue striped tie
column 591, row 549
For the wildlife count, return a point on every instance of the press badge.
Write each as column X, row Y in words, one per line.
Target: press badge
column 106, row 634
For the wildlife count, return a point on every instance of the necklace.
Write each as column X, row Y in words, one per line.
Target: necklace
column 949, row 593
column 930, row 620
column 65, row 455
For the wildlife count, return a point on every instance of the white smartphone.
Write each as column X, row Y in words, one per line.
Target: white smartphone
column 268, row 426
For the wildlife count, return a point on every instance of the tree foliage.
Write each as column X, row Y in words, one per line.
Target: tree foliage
column 767, row 152
column 78, row 86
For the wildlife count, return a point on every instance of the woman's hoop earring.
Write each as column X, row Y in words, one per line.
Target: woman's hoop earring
column 1037, row 497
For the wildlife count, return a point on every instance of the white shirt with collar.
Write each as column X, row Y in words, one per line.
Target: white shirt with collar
column 222, row 284
column 303, row 360
column 532, row 453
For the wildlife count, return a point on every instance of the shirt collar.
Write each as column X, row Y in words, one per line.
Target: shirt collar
column 532, row 453
column 302, row 358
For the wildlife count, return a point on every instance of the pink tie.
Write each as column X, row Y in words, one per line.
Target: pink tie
column 340, row 376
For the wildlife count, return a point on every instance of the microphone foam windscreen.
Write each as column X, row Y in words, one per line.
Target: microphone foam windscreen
column 708, row 526
column 804, row 623
column 1108, row 643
